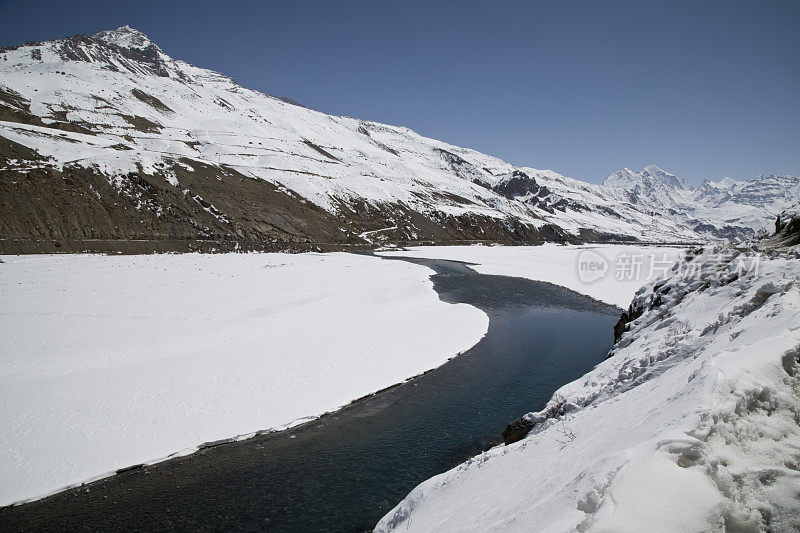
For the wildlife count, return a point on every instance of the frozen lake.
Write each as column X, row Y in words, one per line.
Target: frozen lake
column 345, row 470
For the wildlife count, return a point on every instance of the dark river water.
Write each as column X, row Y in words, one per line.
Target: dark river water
column 345, row 470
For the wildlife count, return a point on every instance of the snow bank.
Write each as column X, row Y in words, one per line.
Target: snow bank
column 561, row 265
column 108, row 362
column 693, row 424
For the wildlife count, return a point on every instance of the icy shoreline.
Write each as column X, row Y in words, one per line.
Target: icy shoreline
column 696, row 410
column 558, row 264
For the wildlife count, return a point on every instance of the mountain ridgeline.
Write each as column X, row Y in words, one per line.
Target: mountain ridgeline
column 109, row 144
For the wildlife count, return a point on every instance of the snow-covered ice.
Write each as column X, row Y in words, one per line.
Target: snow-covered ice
column 111, row 361
column 560, row 265
column 693, row 424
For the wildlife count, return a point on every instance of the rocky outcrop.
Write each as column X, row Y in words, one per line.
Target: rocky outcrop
column 517, row 430
column 516, row 185
column 787, row 229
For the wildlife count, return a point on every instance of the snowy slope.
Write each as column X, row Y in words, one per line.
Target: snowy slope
column 108, row 362
column 157, row 111
column 115, row 110
column 690, row 425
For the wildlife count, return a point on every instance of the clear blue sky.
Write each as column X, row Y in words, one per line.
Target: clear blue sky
column 702, row 88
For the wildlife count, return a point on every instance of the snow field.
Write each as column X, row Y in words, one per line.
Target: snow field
column 111, row 361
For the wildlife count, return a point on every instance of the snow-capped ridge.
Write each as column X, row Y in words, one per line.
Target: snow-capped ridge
column 125, row 37
column 652, row 175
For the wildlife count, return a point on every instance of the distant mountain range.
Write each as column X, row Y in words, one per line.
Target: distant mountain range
column 654, row 205
column 107, row 143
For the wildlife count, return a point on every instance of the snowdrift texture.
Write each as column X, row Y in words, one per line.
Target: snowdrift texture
column 692, row 424
column 107, row 138
column 108, row 362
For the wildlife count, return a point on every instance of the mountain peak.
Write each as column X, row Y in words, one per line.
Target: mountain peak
column 655, row 169
column 650, row 176
column 125, row 37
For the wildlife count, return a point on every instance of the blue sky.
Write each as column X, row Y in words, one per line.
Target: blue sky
column 704, row 89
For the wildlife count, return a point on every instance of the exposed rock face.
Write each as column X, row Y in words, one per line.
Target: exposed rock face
column 518, row 184
column 787, row 229
column 621, row 326
column 517, row 430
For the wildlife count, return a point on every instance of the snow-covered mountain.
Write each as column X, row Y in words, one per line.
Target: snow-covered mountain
column 727, row 206
column 106, row 138
column 652, row 186
column 654, row 205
